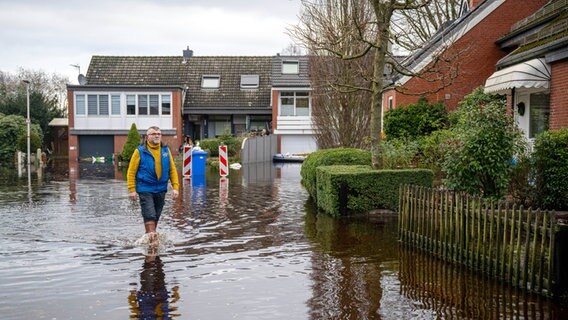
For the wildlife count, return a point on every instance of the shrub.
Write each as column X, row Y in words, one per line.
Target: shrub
column 399, row 153
column 13, row 128
column 521, row 187
column 415, row 120
column 551, row 169
column 35, row 142
column 326, row 157
column 132, row 142
column 432, row 151
column 479, row 158
column 356, row 189
column 212, row 145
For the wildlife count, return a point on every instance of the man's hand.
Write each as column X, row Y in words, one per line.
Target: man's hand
column 133, row 196
column 175, row 194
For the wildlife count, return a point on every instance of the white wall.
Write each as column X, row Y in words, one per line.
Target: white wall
column 121, row 122
column 298, row 144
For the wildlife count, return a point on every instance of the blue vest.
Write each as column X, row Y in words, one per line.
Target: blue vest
column 146, row 178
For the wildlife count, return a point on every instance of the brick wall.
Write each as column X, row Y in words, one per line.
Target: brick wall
column 477, row 55
column 73, row 140
column 559, row 95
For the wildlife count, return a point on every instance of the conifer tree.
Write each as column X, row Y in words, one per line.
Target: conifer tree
column 132, row 142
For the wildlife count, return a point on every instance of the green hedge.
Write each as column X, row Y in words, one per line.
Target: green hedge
column 326, row 157
column 551, row 169
column 212, row 146
column 345, row 189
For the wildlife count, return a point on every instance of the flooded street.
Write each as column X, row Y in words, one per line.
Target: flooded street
column 252, row 247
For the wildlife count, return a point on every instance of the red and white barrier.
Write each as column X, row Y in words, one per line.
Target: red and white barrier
column 223, row 161
column 187, row 161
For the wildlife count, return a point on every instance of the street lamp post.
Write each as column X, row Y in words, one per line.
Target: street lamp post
column 28, row 122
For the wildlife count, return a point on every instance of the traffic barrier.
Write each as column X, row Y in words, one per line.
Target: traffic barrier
column 223, row 161
column 187, row 161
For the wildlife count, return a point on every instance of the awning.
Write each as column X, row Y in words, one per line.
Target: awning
column 529, row 74
column 59, row 122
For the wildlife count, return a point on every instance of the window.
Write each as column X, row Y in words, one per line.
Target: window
column 166, row 104
column 287, row 104
column 92, row 102
column 249, row 81
column 539, row 114
column 142, row 105
column 302, row 104
column 115, row 104
column 210, row 82
column 295, row 103
column 80, row 104
column 154, row 104
column 97, row 104
column 390, row 103
column 219, row 125
column 111, row 104
column 103, row 105
column 290, row 67
column 259, row 122
column 130, row 104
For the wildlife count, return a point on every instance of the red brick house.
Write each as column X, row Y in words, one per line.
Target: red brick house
column 534, row 73
column 469, row 45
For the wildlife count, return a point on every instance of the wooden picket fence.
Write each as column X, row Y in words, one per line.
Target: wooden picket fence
column 511, row 244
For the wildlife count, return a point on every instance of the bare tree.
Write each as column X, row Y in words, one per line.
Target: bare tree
column 340, row 116
column 411, row 29
column 52, row 86
column 351, row 30
column 293, row 50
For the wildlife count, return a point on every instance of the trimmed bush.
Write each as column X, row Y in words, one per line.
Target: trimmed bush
column 132, row 142
column 326, row 157
column 551, row 169
column 354, row 189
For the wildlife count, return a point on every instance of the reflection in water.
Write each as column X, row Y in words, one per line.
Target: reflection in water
column 252, row 247
column 453, row 292
column 347, row 270
column 153, row 300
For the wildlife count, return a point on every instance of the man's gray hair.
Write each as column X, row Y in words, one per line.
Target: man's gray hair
column 155, row 128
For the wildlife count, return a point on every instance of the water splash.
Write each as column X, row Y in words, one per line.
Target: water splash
column 164, row 242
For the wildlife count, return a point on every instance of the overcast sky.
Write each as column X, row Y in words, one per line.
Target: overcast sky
column 50, row 35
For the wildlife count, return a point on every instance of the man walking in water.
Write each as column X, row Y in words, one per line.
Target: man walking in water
column 150, row 169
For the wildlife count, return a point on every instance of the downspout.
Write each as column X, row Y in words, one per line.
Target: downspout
column 182, row 104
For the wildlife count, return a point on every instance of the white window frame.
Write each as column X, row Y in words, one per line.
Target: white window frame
column 250, row 81
column 210, row 81
column 83, row 107
column 295, row 98
column 290, row 67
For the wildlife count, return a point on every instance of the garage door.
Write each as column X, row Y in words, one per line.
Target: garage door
column 96, row 146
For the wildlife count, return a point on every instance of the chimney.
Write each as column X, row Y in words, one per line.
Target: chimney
column 187, row 54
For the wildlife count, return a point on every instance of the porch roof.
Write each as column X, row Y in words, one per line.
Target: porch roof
column 534, row 73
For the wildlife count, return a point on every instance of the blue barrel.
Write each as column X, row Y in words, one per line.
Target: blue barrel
column 198, row 163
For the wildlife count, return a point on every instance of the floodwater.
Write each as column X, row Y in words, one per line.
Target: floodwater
column 250, row 247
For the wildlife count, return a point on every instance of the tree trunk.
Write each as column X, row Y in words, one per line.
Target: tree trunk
column 383, row 14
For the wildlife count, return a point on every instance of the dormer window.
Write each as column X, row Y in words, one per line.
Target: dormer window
column 290, row 67
column 210, row 82
column 249, row 81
